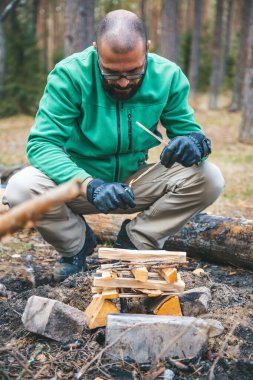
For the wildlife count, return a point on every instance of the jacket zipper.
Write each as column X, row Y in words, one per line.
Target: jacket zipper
column 118, row 146
column 130, row 131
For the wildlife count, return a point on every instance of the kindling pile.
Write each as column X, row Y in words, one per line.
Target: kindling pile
column 128, row 274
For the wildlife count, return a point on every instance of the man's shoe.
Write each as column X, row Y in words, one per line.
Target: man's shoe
column 67, row 266
column 123, row 240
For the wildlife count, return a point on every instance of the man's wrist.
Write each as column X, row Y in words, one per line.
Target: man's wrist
column 202, row 142
column 92, row 188
column 84, row 186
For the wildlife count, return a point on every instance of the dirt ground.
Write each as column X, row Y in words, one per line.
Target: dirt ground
column 232, row 298
column 26, row 267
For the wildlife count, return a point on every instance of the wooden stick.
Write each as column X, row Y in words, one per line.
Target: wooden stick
column 144, row 173
column 142, row 255
column 154, row 166
column 33, row 209
column 152, row 134
column 130, row 283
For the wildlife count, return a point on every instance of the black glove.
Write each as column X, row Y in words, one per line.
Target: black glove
column 186, row 150
column 107, row 197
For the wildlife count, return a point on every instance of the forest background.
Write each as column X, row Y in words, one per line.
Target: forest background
column 212, row 41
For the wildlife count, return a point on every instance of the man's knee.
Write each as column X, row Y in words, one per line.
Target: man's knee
column 23, row 186
column 213, row 183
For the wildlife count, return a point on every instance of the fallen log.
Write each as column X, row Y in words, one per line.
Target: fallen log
column 209, row 237
column 30, row 211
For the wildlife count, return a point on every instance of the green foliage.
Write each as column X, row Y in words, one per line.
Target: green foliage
column 23, row 82
column 105, row 6
column 205, row 56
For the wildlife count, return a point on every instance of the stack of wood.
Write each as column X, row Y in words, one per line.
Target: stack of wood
column 129, row 274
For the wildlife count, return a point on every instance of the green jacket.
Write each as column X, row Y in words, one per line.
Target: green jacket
column 80, row 131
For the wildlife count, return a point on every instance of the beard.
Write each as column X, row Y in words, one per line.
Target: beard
column 120, row 93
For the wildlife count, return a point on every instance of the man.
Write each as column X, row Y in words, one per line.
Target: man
column 86, row 128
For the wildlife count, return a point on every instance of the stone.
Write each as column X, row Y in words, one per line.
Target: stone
column 3, row 290
column 53, row 319
column 195, row 301
column 168, row 375
column 215, row 327
column 144, row 338
column 199, row 272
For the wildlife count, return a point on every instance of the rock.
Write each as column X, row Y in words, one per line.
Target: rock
column 53, row 319
column 196, row 301
column 199, row 272
column 168, row 375
column 216, row 327
column 3, row 290
column 145, row 338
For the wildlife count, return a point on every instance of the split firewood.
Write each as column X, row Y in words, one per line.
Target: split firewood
column 128, row 274
column 140, row 273
column 97, row 311
column 32, row 210
column 169, row 274
column 150, row 292
column 210, row 237
column 107, row 274
column 170, row 306
column 128, row 282
column 108, row 294
column 143, row 255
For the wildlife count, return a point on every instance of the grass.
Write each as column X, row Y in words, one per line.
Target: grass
column 234, row 158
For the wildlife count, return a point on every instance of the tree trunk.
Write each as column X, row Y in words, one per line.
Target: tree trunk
column 236, row 102
column 79, row 25
column 169, row 30
column 142, row 10
column 227, row 36
column 215, row 81
column 246, row 131
column 212, row 238
column 195, row 48
column 42, row 33
column 9, row 7
column 152, row 13
column 2, row 57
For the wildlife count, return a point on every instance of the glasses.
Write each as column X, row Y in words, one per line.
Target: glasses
column 116, row 77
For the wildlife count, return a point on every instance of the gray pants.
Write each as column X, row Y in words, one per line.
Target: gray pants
column 166, row 199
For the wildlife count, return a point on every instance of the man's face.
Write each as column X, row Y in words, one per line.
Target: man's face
column 130, row 63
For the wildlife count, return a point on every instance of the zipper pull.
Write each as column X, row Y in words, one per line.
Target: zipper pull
column 130, row 128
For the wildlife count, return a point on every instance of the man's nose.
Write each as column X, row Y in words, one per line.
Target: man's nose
column 123, row 82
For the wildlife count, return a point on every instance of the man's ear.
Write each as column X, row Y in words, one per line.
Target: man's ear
column 94, row 45
column 148, row 44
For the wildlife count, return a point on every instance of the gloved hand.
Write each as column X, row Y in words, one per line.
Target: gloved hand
column 107, row 197
column 186, row 150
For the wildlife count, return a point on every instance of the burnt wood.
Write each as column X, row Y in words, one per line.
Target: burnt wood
column 212, row 238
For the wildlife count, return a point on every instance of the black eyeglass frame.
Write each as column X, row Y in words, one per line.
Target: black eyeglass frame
column 115, row 77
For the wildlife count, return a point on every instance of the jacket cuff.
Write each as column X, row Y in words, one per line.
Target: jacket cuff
column 202, row 142
column 91, row 187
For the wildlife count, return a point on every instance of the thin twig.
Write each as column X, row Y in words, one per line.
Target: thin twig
column 40, row 371
column 23, row 365
column 2, row 372
column 144, row 173
column 84, row 369
column 161, row 354
column 152, row 134
column 174, row 340
column 222, row 349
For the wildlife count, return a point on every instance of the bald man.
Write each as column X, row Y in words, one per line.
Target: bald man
column 86, row 128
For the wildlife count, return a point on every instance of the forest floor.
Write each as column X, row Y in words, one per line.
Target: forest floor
column 26, row 267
